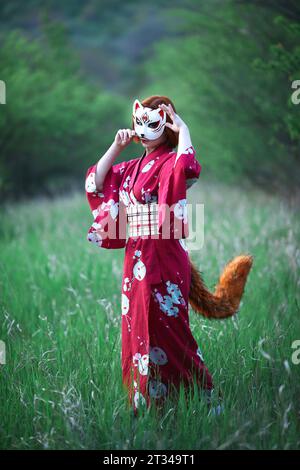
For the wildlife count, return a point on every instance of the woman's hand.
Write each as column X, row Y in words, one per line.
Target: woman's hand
column 124, row 137
column 177, row 123
column 179, row 126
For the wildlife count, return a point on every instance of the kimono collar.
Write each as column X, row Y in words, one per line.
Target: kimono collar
column 161, row 149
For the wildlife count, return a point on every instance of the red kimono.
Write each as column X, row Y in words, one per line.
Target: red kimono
column 158, row 348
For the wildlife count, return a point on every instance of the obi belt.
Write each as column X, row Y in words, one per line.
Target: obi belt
column 142, row 219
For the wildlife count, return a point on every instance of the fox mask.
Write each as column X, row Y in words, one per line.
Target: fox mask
column 148, row 123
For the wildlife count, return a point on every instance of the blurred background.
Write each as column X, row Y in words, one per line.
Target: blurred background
column 72, row 70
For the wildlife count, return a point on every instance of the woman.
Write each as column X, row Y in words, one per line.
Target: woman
column 159, row 351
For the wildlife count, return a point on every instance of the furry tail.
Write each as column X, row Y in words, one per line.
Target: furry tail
column 225, row 301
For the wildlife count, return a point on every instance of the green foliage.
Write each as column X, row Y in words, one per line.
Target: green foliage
column 227, row 65
column 241, row 117
column 283, row 66
column 54, row 123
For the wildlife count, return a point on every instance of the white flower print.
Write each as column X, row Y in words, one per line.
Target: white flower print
column 90, row 185
column 112, row 207
column 189, row 150
column 183, row 244
column 95, row 237
column 148, row 166
column 139, row 399
column 142, row 362
column 158, row 356
column 139, row 270
column 125, row 304
column 133, row 198
column 124, row 197
column 95, row 212
column 126, row 182
column 126, row 284
column 180, row 210
column 96, row 225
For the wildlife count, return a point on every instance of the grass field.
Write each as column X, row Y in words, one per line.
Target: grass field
column 60, row 320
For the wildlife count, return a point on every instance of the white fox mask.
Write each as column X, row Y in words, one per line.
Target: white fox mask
column 148, row 123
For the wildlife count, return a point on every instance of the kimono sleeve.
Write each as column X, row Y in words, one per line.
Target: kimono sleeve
column 192, row 167
column 177, row 175
column 109, row 227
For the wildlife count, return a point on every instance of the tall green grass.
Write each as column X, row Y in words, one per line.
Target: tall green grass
column 61, row 385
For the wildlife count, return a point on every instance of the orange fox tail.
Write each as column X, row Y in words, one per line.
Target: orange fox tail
column 225, row 301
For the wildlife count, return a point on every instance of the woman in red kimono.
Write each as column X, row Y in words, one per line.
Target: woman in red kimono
column 148, row 197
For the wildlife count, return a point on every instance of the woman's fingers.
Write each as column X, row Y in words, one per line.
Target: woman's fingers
column 129, row 134
column 164, row 108
column 125, row 136
column 171, row 109
column 168, row 109
column 121, row 136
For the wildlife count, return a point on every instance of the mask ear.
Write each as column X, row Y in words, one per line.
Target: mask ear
column 161, row 113
column 136, row 106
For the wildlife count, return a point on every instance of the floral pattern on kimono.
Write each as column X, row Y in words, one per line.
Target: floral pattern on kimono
column 106, row 207
column 158, row 349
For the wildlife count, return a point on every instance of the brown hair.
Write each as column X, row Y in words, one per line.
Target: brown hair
column 153, row 102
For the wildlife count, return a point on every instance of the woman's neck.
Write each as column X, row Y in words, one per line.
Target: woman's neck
column 150, row 149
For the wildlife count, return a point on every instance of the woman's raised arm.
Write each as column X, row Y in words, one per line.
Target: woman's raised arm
column 179, row 126
column 122, row 139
